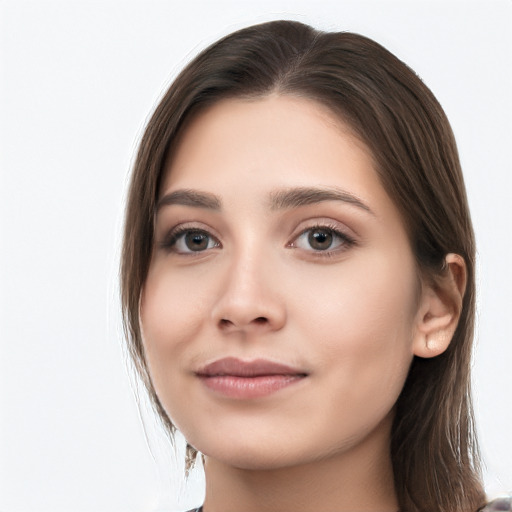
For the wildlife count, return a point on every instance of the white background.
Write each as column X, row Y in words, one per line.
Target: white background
column 78, row 80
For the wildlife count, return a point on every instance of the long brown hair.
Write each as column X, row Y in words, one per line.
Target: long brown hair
column 434, row 451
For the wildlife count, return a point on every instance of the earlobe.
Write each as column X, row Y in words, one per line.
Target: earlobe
column 440, row 309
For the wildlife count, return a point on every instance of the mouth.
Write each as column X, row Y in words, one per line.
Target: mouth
column 235, row 378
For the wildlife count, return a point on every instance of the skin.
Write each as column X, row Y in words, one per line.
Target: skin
column 350, row 317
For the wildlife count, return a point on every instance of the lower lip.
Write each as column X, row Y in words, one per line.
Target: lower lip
column 249, row 387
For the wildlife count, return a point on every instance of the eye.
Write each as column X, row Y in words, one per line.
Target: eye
column 322, row 239
column 187, row 241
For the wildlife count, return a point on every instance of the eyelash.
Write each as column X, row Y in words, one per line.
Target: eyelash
column 169, row 243
column 344, row 240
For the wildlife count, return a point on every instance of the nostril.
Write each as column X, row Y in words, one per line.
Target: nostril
column 224, row 322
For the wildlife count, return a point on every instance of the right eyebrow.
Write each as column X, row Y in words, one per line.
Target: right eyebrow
column 187, row 197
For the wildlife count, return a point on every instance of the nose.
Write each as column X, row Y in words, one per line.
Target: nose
column 250, row 298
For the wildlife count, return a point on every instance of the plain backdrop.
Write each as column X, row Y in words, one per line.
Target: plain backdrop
column 78, row 81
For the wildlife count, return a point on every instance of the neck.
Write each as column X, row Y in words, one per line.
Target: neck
column 357, row 480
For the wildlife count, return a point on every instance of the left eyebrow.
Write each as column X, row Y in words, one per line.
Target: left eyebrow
column 302, row 196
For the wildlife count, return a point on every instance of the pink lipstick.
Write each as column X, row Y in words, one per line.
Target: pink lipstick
column 235, row 378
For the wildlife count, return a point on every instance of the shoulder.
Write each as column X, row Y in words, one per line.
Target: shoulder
column 503, row 504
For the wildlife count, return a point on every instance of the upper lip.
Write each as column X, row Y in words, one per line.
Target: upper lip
column 239, row 368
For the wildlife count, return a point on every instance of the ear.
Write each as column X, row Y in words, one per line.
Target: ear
column 440, row 308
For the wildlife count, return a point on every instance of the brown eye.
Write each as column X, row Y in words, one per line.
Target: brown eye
column 196, row 240
column 188, row 241
column 320, row 239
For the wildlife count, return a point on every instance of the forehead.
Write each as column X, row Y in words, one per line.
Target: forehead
column 273, row 142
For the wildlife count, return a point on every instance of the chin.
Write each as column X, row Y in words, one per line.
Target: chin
column 257, row 448
column 255, row 460
column 267, row 453
column 252, row 453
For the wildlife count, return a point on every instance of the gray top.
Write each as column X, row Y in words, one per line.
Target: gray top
column 499, row 505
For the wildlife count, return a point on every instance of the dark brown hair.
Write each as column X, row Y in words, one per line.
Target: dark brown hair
column 434, row 452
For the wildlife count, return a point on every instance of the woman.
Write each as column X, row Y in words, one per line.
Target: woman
column 298, row 278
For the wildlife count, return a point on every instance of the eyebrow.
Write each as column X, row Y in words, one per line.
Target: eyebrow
column 303, row 196
column 281, row 200
column 187, row 197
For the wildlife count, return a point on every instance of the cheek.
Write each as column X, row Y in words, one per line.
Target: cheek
column 175, row 302
column 363, row 321
column 376, row 293
column 172, row 313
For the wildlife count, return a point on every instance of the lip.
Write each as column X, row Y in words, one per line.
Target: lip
column 240, row 379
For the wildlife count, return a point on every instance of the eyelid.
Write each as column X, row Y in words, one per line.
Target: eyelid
column 339, row 230
column 169, row 240
column 325, row 223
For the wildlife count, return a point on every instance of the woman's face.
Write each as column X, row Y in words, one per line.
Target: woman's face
column 281, row 304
